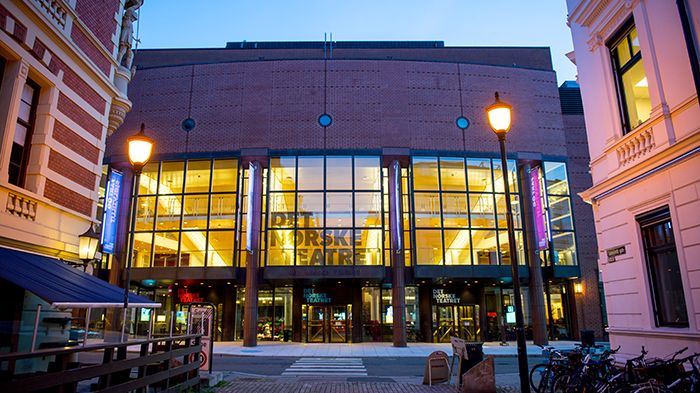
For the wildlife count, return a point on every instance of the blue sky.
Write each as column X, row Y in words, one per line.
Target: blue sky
column 212, row 23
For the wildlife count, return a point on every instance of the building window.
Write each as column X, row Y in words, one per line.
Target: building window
column 325, row 211
column 663, row 269
column 21, row 141
column 632, row 84
column 459, row 211
column 186, row 214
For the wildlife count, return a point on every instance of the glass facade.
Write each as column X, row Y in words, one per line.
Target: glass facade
column 459, row 211
column 185, row 214
column 334, row 211
column 325, row 211
column 561, row 223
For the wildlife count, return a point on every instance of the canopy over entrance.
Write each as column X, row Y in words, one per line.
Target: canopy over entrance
column 61, row 285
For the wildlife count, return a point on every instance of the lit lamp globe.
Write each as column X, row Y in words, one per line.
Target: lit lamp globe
column 88, row 244
column 139, row 148
column 500, row 115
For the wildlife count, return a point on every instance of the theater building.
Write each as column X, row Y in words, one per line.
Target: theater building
column 353, row 192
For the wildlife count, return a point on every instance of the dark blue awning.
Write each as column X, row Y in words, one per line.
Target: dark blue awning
column 62, row 285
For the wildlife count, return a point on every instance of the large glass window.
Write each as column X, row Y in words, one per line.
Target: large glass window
column 561, row 223
column 664, row 271
column 323, row 211
column 22, row 137
column 186, row 214
column 632, row 84
column 459, row 211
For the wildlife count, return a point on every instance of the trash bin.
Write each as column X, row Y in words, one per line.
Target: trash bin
column 286, row 334
column 475, row 354
column 587, row 338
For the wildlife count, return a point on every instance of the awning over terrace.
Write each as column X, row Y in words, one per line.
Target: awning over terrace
column 61, row 285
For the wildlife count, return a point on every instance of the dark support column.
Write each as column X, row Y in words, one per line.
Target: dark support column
column 357, row 313
column 297, row 300
column 425, row 312
column 536, row 286
column 398, row 286
column 229, row 313
column 250, row 320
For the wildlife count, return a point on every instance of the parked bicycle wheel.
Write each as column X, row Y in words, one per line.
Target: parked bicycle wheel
column 561, row 384
column 541, row 378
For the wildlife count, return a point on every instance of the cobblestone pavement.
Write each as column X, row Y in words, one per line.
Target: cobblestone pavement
column 246, row 385
column 237, row 383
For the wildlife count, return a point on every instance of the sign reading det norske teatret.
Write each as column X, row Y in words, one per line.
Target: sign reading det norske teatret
column 311, row 296
column 442, row 297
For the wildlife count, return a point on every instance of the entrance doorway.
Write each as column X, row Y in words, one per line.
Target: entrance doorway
column 326, row 323
column 456, row 320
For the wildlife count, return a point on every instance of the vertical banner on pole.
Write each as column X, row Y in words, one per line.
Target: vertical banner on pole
column 535, row 194
column 111, row 208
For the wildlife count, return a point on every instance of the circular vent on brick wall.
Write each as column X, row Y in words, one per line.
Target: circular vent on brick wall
column 188, row 124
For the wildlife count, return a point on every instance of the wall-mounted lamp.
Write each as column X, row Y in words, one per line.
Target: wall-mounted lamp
column 578, row 288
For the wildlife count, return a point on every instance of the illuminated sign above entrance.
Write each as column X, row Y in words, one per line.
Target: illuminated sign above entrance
column 442, row 297
column 311, row 296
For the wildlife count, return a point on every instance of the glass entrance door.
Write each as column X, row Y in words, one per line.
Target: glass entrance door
column 315, row 325
column 458, row 321
column 338, row 324
column 323, row 324
column 468, row 322
column 445, row 324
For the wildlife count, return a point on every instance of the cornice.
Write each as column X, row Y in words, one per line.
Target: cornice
column 676, row 150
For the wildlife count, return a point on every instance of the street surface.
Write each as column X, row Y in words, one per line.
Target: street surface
column 368, row 366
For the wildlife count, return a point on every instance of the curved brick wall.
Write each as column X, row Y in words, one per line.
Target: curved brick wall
column 374, row 104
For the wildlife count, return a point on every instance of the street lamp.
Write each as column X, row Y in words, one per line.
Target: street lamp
column 499, row 115
column 88, row 245
column 139, row 148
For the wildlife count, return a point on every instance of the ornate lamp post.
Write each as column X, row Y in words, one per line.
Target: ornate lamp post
column 139, row 148
column 89, row 241
column 499, row 115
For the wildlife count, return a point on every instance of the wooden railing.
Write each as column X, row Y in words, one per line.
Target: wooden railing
column 168, row 364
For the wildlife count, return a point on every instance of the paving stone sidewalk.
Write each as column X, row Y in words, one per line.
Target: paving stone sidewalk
column 237, row 383
column 251, row 386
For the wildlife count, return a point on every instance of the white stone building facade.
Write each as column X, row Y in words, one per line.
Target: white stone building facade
column 639, row 74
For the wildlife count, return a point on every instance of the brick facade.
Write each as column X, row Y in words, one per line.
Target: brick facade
column 79, row 116
column 374, row 104
column 99, row 17
column 91, row 51
column 68, row 138
column 67, row 198
column 71, row 170
column 68, row 50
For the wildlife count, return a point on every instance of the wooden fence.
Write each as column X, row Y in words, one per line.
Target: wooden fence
column 168, row 364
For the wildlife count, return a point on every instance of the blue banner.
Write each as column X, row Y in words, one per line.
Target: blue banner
column 109, row 220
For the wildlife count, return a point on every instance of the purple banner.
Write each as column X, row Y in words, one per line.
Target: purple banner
column 536, row 200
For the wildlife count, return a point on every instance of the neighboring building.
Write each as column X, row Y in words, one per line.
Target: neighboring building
column 327, row 125
column 62, row 91
column 639, row 74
